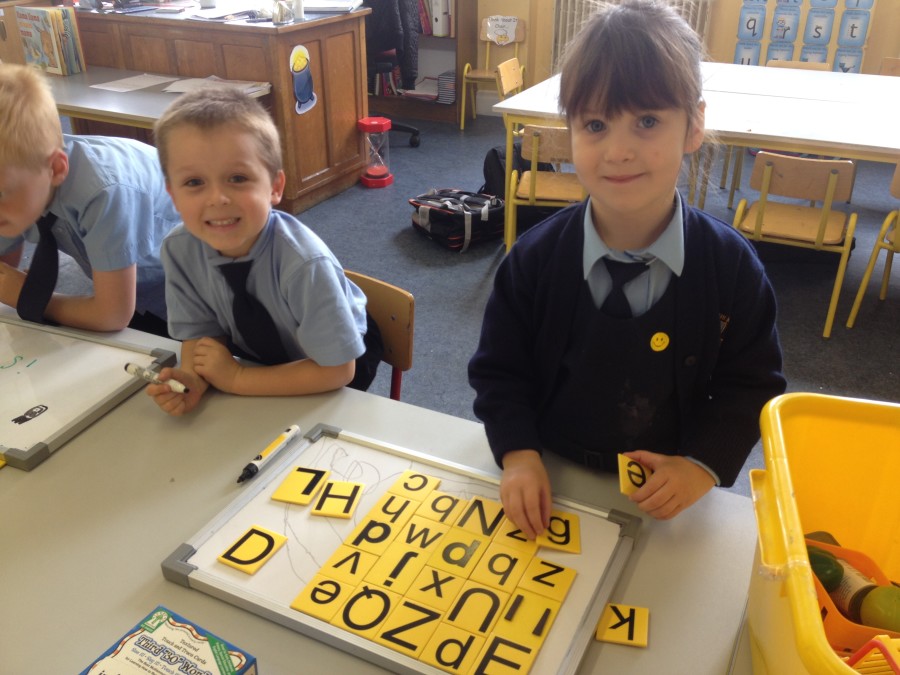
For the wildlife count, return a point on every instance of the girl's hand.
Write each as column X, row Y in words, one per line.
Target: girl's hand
column 172, row 402
column 676, row 483
column 525, row 491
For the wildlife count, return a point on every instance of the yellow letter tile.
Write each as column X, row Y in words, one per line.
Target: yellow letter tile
column 322, row 597
column 414, row 485
column 477, row 608
column 397, row 568
column 632, row 475
column 624, row 625
column 527, row 618
column 253, row 549
column 481, row 516
column 548, row 579
column 501, row 567
column 505, row 656
column 564, row 533
column 435, row 588
column 510, row 535
column 372, row 536
column 338, row 499
column 349, row 565
column 458, row 552
column 365, row 610
column 393, row 509
column 408, row 628
column 421, row 533
column 300, row 485
column 452, row 649
column 442, row 507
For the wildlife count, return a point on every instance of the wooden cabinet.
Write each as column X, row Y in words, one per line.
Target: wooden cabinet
column 466, row 43
column 323, row 151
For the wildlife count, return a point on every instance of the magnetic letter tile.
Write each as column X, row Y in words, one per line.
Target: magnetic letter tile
column 300, row 485
column 527, row 618
column 442, row 507
column 393, row 509
column 624, row 625
column 253, row 549
column 452, row 649
column 500, row 656
column 510, row 535
column 564, row 533
column 349, row 565
column 322, row 597
column 477, row 608
column 458, row 552
column 365, row 610
column 338, row 499
column 397, row 568
column 408, row 628
column 501, row 567
column 632, row 475
column 414, row 485
column 548, row 579
column 481, row 516
column 422, row 533
column 372, row 536
column 435, row 588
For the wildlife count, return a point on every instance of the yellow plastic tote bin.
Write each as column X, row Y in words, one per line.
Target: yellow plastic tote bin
column 833, row 465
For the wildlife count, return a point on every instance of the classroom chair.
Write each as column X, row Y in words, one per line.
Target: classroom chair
column 805, row 226
column 510, row 77
column 393, row 310
column 888, row 240
column 541, row 188
column 735, row 152
column 493, row 35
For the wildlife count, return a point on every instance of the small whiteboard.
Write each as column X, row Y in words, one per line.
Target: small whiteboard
column 607, row 539
column 54, row 382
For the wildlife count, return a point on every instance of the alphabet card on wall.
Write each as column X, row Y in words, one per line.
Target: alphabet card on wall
column 55, row 382
column 408, row 561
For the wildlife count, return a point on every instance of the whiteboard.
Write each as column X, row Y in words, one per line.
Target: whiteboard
column 54, row 382
column 607, row 538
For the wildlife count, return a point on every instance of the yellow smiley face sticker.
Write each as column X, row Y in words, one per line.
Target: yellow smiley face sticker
column 659, row 342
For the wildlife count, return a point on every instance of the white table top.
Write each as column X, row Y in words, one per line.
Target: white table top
column 84, row 534
column 844, row 114
column 76, row 97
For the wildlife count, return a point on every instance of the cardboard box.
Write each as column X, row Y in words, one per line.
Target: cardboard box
column 164, row 643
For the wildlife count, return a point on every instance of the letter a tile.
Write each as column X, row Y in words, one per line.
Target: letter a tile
column 252, row 550
column 624, row 625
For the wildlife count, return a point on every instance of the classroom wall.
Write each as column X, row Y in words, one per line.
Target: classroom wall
column 883, row 40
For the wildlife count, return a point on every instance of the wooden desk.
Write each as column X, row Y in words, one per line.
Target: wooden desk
column 84, row 535
column 76, row 98
column 323, row 151
column 826, row 113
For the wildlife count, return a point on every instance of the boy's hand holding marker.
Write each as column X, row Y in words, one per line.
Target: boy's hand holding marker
column 170, row 400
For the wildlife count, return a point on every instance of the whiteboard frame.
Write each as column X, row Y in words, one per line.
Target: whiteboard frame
column 30, row 457
column 179, row 569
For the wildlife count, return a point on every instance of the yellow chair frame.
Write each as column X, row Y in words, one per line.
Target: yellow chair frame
column 394, row 311
column 474, row 77
column 541, row 188
column 791, row 224
column 888, row 240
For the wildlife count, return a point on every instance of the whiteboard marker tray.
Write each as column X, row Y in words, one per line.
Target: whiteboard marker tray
column 607, row 539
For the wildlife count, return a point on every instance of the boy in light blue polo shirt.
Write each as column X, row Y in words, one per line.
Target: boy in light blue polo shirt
column 102, row 199
column 221, row 156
